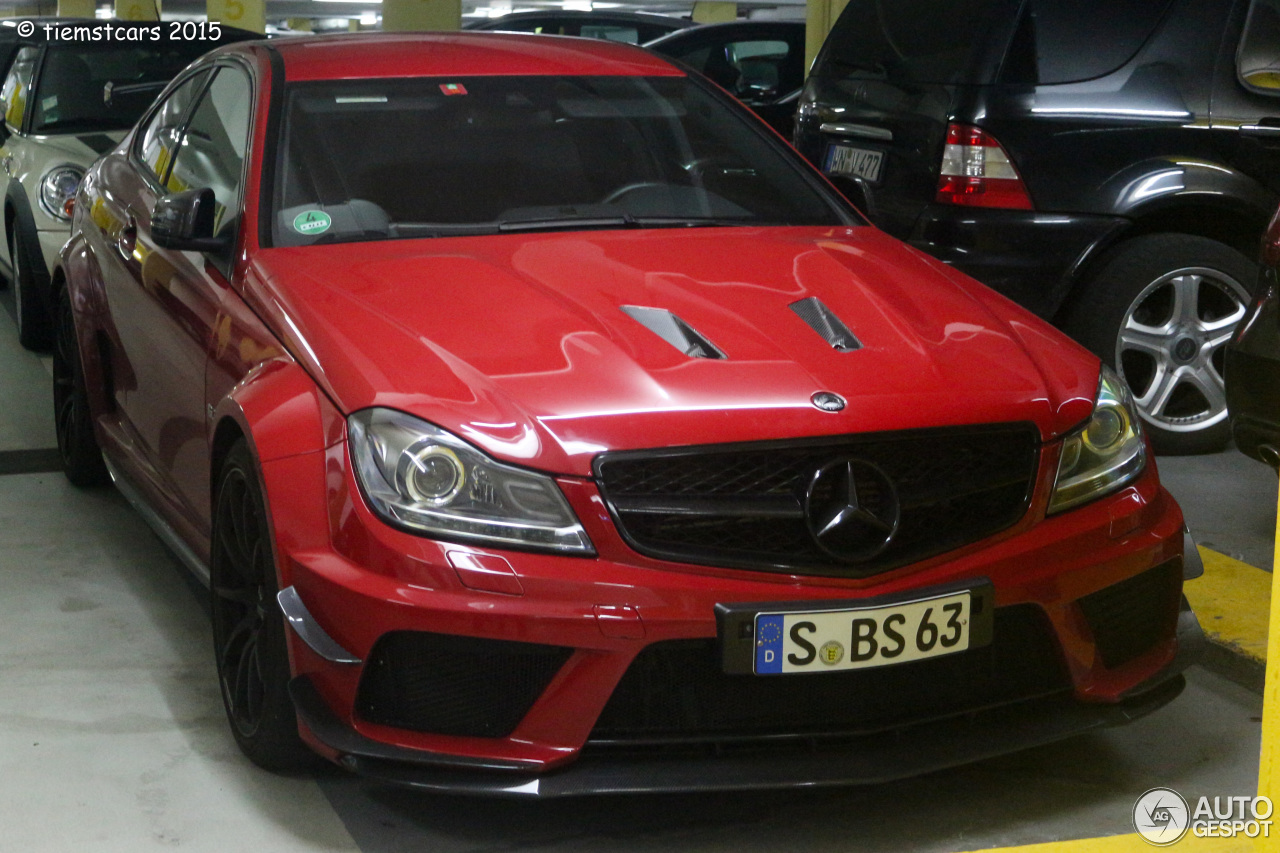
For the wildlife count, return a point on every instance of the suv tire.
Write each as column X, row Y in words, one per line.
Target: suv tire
column 1160, row 309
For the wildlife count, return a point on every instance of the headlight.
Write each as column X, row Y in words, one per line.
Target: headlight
column 1106, row 454
column 58, row 191
column 419, row 477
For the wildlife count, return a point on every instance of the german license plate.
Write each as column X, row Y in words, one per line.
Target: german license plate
column 854, row 162
column 859, row 638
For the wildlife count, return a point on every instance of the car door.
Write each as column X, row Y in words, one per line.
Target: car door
column 163, row 302
column 1246, row 92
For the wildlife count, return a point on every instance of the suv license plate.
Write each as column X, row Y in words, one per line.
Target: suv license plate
column 833, row 640
column 854, row 162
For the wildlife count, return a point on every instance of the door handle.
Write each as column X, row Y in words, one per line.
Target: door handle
column 1267, row 127
column 127, row 239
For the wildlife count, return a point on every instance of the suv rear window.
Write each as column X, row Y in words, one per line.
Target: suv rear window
column 928, row 41
column 1073, row 40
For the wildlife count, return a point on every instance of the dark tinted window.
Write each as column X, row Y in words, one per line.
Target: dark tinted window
column 73, row 85
column 1258, row 60
column 917, row 41
column 429, row 157
column 159, row 139
column 213, row 148
column 1073, row 40
column 17, row 87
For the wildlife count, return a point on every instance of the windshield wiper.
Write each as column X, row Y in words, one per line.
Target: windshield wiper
column 576, row 223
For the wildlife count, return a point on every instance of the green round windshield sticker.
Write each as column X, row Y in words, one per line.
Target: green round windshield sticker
column 312, row 222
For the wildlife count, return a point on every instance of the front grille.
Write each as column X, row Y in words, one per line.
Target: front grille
column 1129, row 618
column 676, row 690
column 452, row 685
column 743, row 505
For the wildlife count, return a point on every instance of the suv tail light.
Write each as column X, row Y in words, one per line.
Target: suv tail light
column 1271, row 243
column 976, row 172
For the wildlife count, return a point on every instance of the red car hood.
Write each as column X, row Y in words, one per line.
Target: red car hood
column 519, row 343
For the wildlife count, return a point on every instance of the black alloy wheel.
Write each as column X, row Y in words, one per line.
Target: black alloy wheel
column 72, row 419
column 248, row 627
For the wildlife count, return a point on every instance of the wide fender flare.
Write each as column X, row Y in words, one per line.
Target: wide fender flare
column 23, row 217
column 289, row 425
column 1167, row 181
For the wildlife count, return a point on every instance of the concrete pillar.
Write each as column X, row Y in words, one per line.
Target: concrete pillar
column 418, row 15
column 301, row 25
column 820, row 17
column 138, row 10
column 714, row 11
column 246, row 14
column 76, row 8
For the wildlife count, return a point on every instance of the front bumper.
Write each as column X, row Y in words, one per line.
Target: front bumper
column 803, row 763
column 1029, row 257
column 365, row 584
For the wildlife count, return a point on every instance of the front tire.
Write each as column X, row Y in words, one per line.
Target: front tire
column 1160, row 310
column 73, row 422
column 248, row 627
column 30, row 283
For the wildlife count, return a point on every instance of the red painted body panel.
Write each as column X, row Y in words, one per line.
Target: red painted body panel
column 352, row 57
column 519, row 344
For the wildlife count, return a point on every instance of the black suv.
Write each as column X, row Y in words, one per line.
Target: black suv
column 1111, row 166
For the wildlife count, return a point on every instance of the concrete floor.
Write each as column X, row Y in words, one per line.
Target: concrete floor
column 112, row 736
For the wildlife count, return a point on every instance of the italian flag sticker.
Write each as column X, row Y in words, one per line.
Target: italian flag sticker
column 453, row 88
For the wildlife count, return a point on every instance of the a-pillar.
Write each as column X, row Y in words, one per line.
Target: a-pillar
column 820, row 17
column 714, row 11
column 246, row 14
column 76, row 8
column 419, row 15
column 137, row 10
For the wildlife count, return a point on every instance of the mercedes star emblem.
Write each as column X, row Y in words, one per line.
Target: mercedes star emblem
column 852, row 509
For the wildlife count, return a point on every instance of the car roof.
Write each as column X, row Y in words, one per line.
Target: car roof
column 594, row 16
column 461, row 54
column 761, row 28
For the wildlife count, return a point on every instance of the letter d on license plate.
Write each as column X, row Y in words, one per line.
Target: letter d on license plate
column 857, row 638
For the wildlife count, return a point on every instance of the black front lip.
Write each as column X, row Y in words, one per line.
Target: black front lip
column 856, row 760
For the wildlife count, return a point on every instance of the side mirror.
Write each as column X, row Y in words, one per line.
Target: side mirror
column 184, row 221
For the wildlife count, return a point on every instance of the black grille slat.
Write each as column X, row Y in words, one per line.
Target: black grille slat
column 454, row 685
column 677, row 690
column 742, row 506
column 1129, row 618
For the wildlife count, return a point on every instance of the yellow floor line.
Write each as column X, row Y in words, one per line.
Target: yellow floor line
column 1131, row 843
column 1232, row 601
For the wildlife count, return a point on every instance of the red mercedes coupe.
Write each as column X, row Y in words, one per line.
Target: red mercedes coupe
column 542, row 424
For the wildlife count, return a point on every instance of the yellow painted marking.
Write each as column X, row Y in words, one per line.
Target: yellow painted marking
column 1232, row 601
column 1269, row 761
column 1131, row 843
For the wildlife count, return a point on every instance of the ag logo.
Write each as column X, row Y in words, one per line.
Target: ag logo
column 1161, row 816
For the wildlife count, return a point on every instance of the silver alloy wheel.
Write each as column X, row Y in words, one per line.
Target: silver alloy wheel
column 1170, row 346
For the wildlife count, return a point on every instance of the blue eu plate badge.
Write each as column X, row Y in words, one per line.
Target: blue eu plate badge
column 769, row 643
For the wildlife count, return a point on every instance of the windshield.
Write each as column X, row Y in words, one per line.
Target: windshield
column 86, row 87
column 378, row 159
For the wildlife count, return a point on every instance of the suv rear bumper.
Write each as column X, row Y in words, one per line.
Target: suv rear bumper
column 1028, row 256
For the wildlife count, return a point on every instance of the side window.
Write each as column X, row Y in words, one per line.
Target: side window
column 17, row 87
column 1258, row 59
column 214, row 146
column 159, row 139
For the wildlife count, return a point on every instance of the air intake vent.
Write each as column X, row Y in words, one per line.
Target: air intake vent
column 824, row 321
column 674, row 331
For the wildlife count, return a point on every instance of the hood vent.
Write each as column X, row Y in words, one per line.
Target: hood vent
column 674, row 331
column 824, row 321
